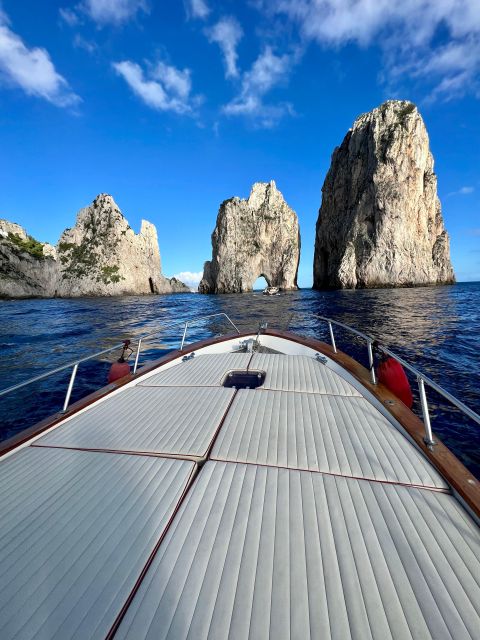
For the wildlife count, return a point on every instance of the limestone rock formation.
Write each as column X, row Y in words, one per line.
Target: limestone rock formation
column 100, row 256
column 380, row 223
column 27, row 267
column 252, row 238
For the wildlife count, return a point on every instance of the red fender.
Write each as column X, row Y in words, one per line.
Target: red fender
column 392, row 375
column 118, row 370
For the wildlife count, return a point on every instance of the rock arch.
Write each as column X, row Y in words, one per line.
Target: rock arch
column 258, row 284
column 255, row 237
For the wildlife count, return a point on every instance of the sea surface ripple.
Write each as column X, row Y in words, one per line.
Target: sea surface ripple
column 437, row 329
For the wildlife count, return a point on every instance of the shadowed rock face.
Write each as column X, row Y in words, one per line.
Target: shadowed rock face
column 27, row 268
column 100, row 256
column 252, row 238
column 380, row 223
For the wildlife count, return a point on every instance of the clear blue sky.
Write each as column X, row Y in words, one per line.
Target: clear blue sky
column 174, row 106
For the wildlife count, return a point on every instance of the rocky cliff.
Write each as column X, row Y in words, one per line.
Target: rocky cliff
column 252, row 238
column 27, row 267
column 380, row 222
column 100, row 256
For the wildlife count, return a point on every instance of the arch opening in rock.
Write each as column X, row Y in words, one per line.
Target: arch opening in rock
column 260, row 283
column 152, row 286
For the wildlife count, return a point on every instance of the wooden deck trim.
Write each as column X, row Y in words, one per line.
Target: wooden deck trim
column 446, row 463
column 50, row 421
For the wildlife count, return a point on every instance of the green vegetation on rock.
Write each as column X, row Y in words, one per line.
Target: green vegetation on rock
column 404, row 112
column 78, row 259
column 31, row 246
column 109, row 275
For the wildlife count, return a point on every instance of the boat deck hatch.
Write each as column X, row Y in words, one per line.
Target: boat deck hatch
column 244, row 379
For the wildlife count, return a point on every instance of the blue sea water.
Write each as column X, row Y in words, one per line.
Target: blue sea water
column 437, row 329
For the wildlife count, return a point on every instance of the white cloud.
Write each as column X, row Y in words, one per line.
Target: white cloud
column 174, row 80
column 437, row 41
column 31, row 69
column 197, row 9
column 227, row 33
column 463, row 191
column 162, row 86
column 190, row 278
column 268, row 71
column 112, row 11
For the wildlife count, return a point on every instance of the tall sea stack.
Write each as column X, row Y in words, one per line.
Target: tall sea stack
column 380, row 223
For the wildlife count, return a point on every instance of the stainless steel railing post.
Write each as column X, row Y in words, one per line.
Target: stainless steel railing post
column 137, row 355
column 184, row 334
column 371, row 362
column 332, row 337
column 70, row 387
column 425, row 412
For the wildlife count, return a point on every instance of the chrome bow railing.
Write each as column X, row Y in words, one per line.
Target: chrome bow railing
column 141, row 341
column 422, row 379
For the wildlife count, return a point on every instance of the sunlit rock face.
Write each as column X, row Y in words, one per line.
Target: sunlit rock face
column 100, row 256
column 380, row 223
column 255, row 237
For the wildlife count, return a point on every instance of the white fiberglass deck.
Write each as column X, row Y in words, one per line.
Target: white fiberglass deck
column 261, row 552
column 300, row 373
column 175, row 421
column 341, row 435
column 202, row 371
column 314, row 516
column 76, row 530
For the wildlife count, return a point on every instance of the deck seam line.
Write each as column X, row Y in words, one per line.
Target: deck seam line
column 116, row 624
column 217, row 386
column 150, row 454
column 195, row 472
column 444, row 490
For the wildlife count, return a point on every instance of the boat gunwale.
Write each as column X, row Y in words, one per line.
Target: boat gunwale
column 441, row 457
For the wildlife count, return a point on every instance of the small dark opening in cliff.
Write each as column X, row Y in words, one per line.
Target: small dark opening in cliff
column 260, row 283
column 324, row 266
column 152, row 288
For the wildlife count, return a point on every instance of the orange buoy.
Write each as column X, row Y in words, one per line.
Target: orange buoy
column 391, row 373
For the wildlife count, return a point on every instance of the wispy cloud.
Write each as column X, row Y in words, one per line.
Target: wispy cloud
column 162, row 87
column 197, row 9
column 190, row 278
column 113, row 11
column 103, row 12
column 79, row 42
column 227, row 33
column 463, row 191
column 70, row 16
column 268, row 70
column 31, row 69
column 435, row 41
